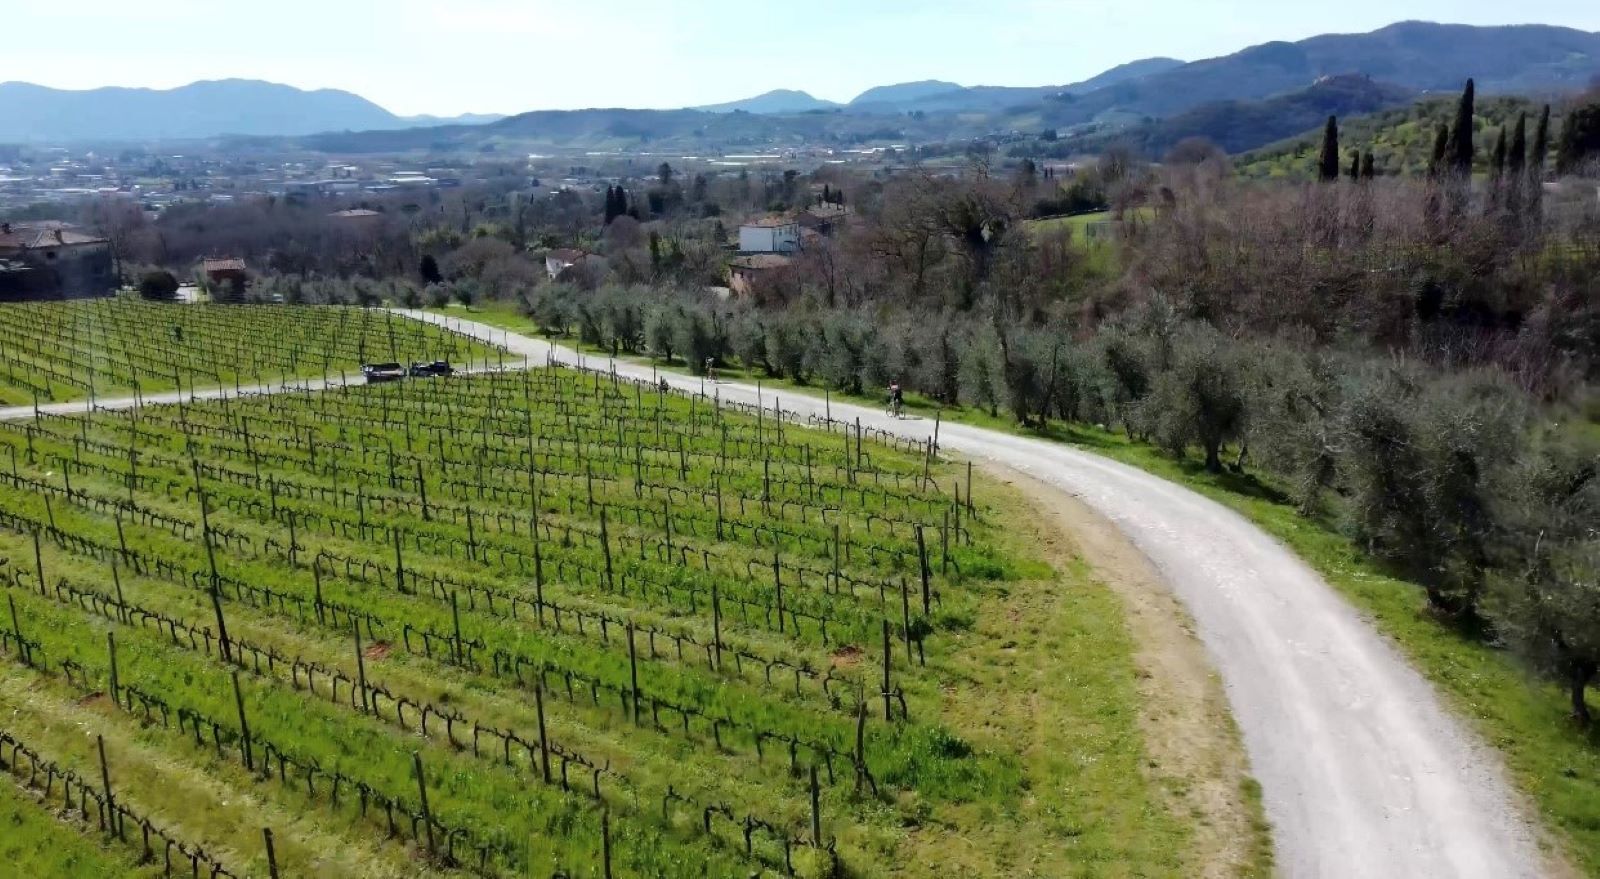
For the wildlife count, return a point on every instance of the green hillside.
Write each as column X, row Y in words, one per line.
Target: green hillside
column 1401, row 139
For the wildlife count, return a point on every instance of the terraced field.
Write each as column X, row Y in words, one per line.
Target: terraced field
column 108, row 347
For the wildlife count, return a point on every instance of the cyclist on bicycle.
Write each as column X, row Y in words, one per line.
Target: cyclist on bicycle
column 896, row 399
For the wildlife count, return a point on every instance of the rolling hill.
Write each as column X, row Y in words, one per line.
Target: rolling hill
column 1418, row 55
column 1237, row 126
column 1243, row 101
column 1401, row 138
column 33, row 114
column 775, row 101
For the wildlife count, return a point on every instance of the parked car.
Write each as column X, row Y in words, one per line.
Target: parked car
column 432, row 370
column 382, row 372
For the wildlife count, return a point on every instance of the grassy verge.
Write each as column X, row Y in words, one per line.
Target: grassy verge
column 1525, row 718
column 34, row 843
column 1047, row 672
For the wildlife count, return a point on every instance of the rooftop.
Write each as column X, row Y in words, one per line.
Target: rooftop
column 22, row 236
column 760, row 261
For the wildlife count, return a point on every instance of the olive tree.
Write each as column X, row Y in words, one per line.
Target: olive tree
column 1545, row 600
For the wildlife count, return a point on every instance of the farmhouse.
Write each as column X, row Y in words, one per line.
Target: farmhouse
column 558, row 261
column 746, row 273
column 53, row 261
column 226, row 278
column 770, row 235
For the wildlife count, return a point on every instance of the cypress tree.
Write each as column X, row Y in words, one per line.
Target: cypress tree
column 1541, row 146
column 1518, row 155
column 1497, row 159
column 622, row 201
column 1328, row 166
column 611, row 204
column 1441, row 149
column 1369, row 168
column 1355, row 165
column 1460, row 147
column 1580, row 139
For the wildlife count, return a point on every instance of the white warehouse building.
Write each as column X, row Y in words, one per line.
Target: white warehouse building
column 772, row 235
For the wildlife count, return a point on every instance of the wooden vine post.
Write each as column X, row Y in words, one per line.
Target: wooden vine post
column 211, row 561
column 633, row 673
column 111, row 650
column 922, row 563
column 272, row 855
column 544, row 740
column 105, row 782
column 605, row 544
column 716, row 623
column 16, row 630
column 244, row 724
column 887, row 658
column 361, row 666
column 422, row 796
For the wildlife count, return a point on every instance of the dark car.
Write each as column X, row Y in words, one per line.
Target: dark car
column 435, row 369
column 382, row 372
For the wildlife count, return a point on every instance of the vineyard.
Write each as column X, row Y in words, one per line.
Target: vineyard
column 538, row 623
column 77, row 351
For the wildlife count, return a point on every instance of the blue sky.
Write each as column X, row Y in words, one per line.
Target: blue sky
column 453, row 56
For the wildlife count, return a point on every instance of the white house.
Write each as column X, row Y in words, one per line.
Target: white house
column 771, row 235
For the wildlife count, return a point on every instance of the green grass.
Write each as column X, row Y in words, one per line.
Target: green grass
column 37, row 844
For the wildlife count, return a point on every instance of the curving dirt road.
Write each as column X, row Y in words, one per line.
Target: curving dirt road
column 1363, row 771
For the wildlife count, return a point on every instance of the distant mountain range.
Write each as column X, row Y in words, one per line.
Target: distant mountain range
column 1266, row 91
column 33, row 113
column 932, row 95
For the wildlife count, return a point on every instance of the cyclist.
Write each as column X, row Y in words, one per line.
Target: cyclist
column 896, row 399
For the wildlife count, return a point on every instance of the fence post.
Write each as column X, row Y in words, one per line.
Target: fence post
column 544, row 741
column 244, row 724
column 455, row 617
column 105, row 782
column 16, row 628
column 272, row 856
column 886, row 659
column 633, row 673
column 399, row 563
column 422, row 794
column 922, row 563
column 716, row 622
column 38, row 561
column 361, row 665
column 777, row 585
column 111, row 647
column 605, row 841
column 605, row 543
column 816, row 809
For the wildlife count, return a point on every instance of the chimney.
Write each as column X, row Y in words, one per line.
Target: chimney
column 59, row 239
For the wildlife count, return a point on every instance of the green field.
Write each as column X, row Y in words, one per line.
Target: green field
column 590, row 622
column 118, row 347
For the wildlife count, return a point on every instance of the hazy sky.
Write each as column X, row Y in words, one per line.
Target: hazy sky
column 453, row 56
